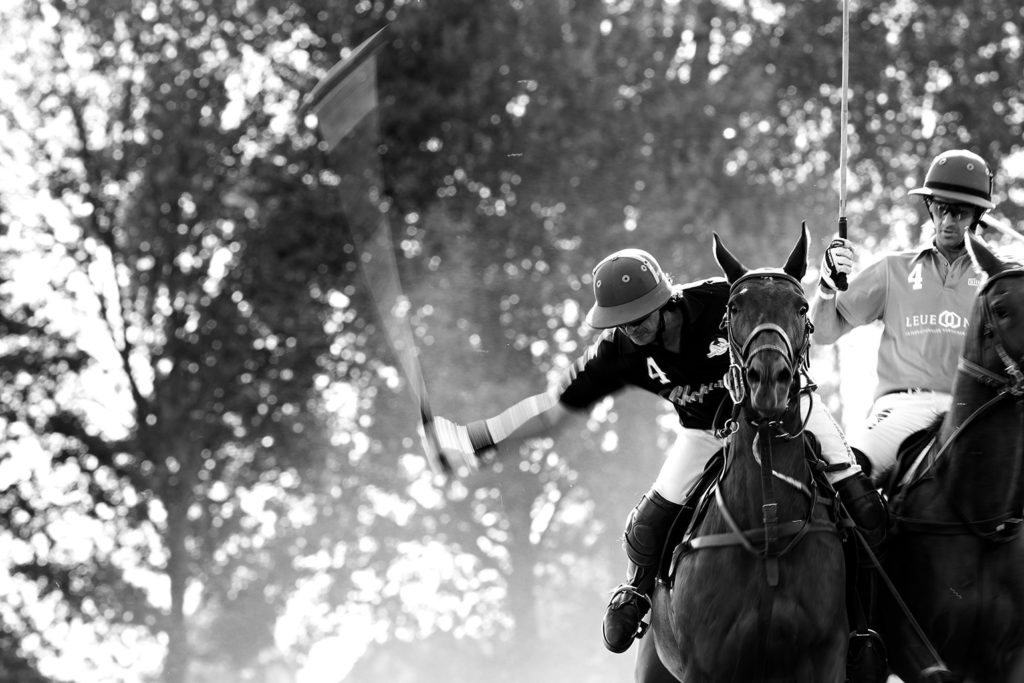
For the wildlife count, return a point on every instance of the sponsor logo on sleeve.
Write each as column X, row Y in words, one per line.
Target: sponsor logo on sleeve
column 686, row 395
column 718, row 347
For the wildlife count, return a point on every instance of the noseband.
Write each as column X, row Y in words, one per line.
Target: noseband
column 740, row 355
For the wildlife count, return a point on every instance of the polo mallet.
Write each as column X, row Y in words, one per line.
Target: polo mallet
column 844, row 115
column 341, row 100
column 380, row 272
column 997, row 223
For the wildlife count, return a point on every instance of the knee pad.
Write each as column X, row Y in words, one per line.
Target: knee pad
column 647, row 527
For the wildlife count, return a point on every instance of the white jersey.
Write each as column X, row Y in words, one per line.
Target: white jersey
column 924, row 304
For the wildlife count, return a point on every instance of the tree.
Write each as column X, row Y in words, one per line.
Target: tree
column 208, row 303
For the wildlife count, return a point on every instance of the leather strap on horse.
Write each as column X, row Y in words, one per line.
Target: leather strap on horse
column 1005, row 527
column 1013, row 380
column 793, row 530
column 770, row 519
column 939, row 665
column 769, row 506
column 796, row 528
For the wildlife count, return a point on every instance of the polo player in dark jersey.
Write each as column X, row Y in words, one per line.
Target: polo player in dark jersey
column 665, row 339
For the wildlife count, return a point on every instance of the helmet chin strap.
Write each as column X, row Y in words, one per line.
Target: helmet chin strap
column 976, row 226
column 659, row 335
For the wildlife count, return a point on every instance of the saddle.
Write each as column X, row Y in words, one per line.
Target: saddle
column 914, row 459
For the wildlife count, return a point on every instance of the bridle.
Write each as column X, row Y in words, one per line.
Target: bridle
column 797, row 356
column 775, row 537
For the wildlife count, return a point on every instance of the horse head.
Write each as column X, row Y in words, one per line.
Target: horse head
column 768, row 329
column 998, row 341
column 983, row 434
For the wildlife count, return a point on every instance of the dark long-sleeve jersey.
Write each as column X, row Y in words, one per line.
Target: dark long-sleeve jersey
column 686, row 365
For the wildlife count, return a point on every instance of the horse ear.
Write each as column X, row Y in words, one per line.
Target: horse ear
column 796, row 266
column 731, row 267
column 983, row 257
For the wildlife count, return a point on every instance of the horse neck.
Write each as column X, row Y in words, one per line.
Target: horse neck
column 983, row 459
column 743, row 486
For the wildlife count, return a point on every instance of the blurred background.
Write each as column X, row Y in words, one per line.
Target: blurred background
column 210, row 468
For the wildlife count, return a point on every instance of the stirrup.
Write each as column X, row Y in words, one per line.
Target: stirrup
column 868, row 635
column 866, row 658
column 630, row 589
column 643, row 607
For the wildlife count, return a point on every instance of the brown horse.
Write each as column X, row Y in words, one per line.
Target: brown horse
column 957, row 555
column 757, row 586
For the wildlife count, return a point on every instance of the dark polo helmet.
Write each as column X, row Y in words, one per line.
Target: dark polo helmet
column 628, row 285
column 959, row 176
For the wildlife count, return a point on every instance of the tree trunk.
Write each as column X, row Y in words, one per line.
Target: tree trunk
column 524, row 651
column 176, row 664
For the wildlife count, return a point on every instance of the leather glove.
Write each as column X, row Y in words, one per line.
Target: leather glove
column 836, row 264
column 452, row 448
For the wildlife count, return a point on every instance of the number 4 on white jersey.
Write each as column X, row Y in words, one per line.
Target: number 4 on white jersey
column 915, row 278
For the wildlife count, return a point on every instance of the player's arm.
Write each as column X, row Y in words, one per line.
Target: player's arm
column 833, row 314
column 592, row 377
column 529, row 418
column 829, row 323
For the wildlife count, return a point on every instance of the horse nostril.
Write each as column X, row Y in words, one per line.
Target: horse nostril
column 753, row 376
column 785, row 376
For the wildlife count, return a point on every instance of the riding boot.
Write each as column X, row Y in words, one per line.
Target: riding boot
column 647, row 528
column 866, row 508
column 866, row 660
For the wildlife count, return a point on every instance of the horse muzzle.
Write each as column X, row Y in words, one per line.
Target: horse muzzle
column 769, row 376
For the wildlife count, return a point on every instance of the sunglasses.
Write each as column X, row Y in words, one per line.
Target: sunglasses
column 634, row 323
column 955, row 211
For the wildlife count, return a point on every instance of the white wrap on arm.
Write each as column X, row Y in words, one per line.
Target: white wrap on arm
column 502, row 425
column 459, row 445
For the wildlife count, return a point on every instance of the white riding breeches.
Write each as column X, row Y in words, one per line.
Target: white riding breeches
column 834, row 448
column 685, row 461
column 892, row 419
column 687, row 457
